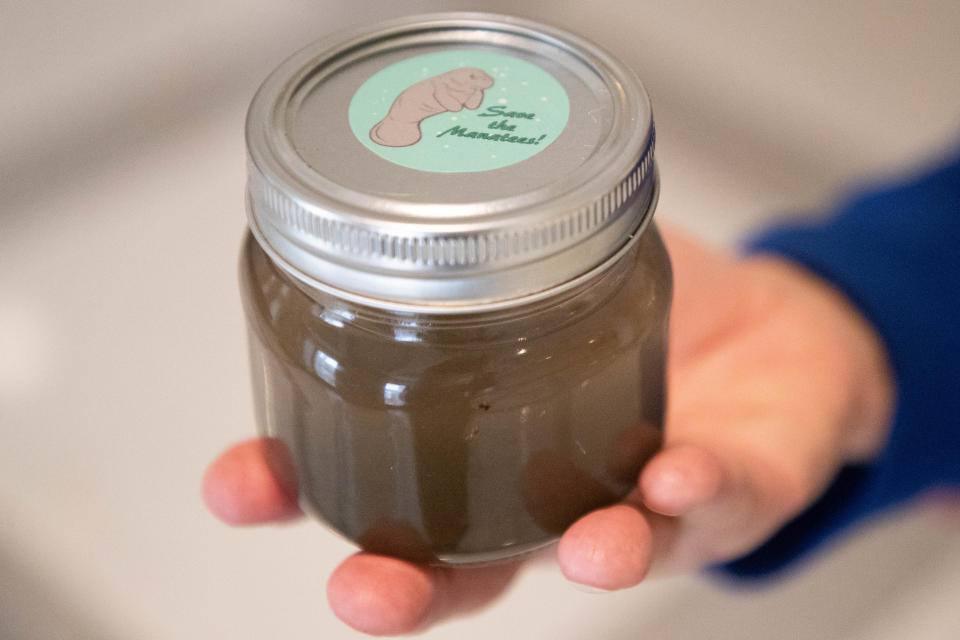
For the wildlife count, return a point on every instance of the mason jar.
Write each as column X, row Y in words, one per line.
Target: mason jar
column 456, row 299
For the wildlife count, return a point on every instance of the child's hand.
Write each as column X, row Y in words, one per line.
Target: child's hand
column 775, row 382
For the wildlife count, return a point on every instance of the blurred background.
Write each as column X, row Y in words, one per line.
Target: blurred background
column 122, row 357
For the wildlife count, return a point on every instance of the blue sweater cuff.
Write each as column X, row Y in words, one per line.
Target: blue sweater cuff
column 896, row 254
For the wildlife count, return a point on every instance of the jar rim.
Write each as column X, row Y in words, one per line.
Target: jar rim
column 462, row 307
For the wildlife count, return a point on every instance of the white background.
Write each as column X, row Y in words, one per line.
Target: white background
column 122, row 356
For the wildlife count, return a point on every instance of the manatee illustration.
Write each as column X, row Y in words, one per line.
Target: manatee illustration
column 450, row 91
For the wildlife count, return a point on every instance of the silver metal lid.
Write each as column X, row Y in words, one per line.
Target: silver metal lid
column 449, row 162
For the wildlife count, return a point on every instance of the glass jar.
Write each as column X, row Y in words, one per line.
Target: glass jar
column 459, row 338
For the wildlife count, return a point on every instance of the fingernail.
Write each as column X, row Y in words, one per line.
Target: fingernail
column 585, row 588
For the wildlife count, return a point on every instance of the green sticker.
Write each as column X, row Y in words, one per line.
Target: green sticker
column 456, row 111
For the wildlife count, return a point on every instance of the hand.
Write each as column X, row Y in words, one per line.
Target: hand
column 775, row 382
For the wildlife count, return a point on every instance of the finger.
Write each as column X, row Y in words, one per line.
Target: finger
column 735, row 500
column 252, row 482
column 380, row 595
column 614, row 548
column 607, row 549
column 692, row 507
column 680, row 479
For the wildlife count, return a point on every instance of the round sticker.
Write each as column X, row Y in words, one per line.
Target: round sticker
column 457, row 111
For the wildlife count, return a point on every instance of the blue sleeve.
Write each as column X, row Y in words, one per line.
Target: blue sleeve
column 895, row 252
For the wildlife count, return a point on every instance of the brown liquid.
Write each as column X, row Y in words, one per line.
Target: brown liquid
column 462, row 439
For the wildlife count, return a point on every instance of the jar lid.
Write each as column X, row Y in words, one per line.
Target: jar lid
column 449, row 162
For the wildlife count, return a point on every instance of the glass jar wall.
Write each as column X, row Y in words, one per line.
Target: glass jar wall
column 463, row 438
